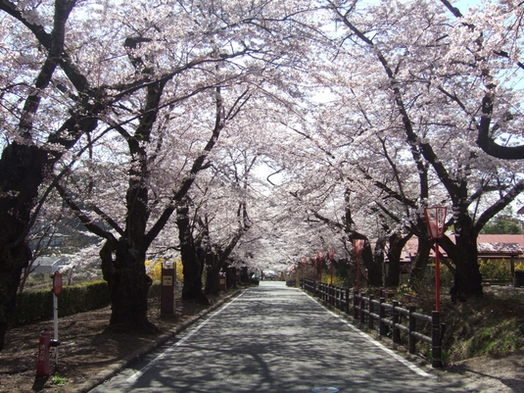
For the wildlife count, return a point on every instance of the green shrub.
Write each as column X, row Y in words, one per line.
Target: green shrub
column 495, row 270
column 37, row 305
column 446, row 276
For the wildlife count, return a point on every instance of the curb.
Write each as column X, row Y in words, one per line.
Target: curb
column 140, row 354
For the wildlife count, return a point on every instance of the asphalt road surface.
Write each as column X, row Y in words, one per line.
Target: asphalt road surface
column 274, row 339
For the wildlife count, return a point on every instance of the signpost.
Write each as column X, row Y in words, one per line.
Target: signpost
column 43, row 368
column 168, row 289
column 57, row 290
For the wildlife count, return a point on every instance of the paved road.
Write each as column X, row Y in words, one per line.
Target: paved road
column 274, row 339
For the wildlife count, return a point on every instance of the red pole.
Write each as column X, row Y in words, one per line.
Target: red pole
column 43, row 367
column 358, row 274
column 437, row 276
column 331, row 268
column 436, row 221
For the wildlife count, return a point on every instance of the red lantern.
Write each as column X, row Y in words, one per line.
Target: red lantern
column 358, row 245
column 436, row 221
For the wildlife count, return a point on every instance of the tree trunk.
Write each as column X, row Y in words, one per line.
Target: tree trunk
column 231, row 277
column 21, row 173
column 416, row 279
column 373, row 262
column 192, row 259
column 396, row 245
column 128, row 284
column 467, row 280
column 244, row 275
column 214, row 267
column 213, row 280
column 12, row 262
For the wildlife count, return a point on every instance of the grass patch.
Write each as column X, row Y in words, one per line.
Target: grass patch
column 483, row 326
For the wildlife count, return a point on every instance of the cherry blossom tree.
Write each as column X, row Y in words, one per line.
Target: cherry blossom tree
column 418, row 87
column 153, row 117
column 488, row 39
column 49, row 100
column 230, row 54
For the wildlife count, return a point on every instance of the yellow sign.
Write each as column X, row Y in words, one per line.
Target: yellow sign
column 167, row 281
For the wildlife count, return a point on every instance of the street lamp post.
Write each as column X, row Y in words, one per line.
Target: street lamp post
column 436, row 221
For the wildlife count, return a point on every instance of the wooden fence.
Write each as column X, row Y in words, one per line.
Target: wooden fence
column 389, row 318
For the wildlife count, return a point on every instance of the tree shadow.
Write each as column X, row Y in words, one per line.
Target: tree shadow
column 40, row 383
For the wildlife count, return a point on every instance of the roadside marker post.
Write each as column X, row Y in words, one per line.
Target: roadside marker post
column 57, row 290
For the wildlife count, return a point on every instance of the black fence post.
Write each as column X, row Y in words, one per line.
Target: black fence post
column 346, row 304
column 356, row 304
column 338, row 298
column 396, row 330
column 362, row 308
column 381, row 316
column 412, row 328
column 371, row 311
column 436, row 341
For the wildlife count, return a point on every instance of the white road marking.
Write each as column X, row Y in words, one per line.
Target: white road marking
column 137, row 374
column 394, row 355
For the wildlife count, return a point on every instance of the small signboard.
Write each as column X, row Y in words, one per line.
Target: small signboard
column 57, row 283
column 168, row 289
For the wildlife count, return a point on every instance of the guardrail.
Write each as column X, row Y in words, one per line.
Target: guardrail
column 388, row 318
column 335, row 296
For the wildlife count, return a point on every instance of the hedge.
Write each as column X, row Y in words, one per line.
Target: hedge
column 37, row 305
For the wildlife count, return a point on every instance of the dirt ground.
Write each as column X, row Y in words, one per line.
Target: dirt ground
column 504, row 374
column 88, row 350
